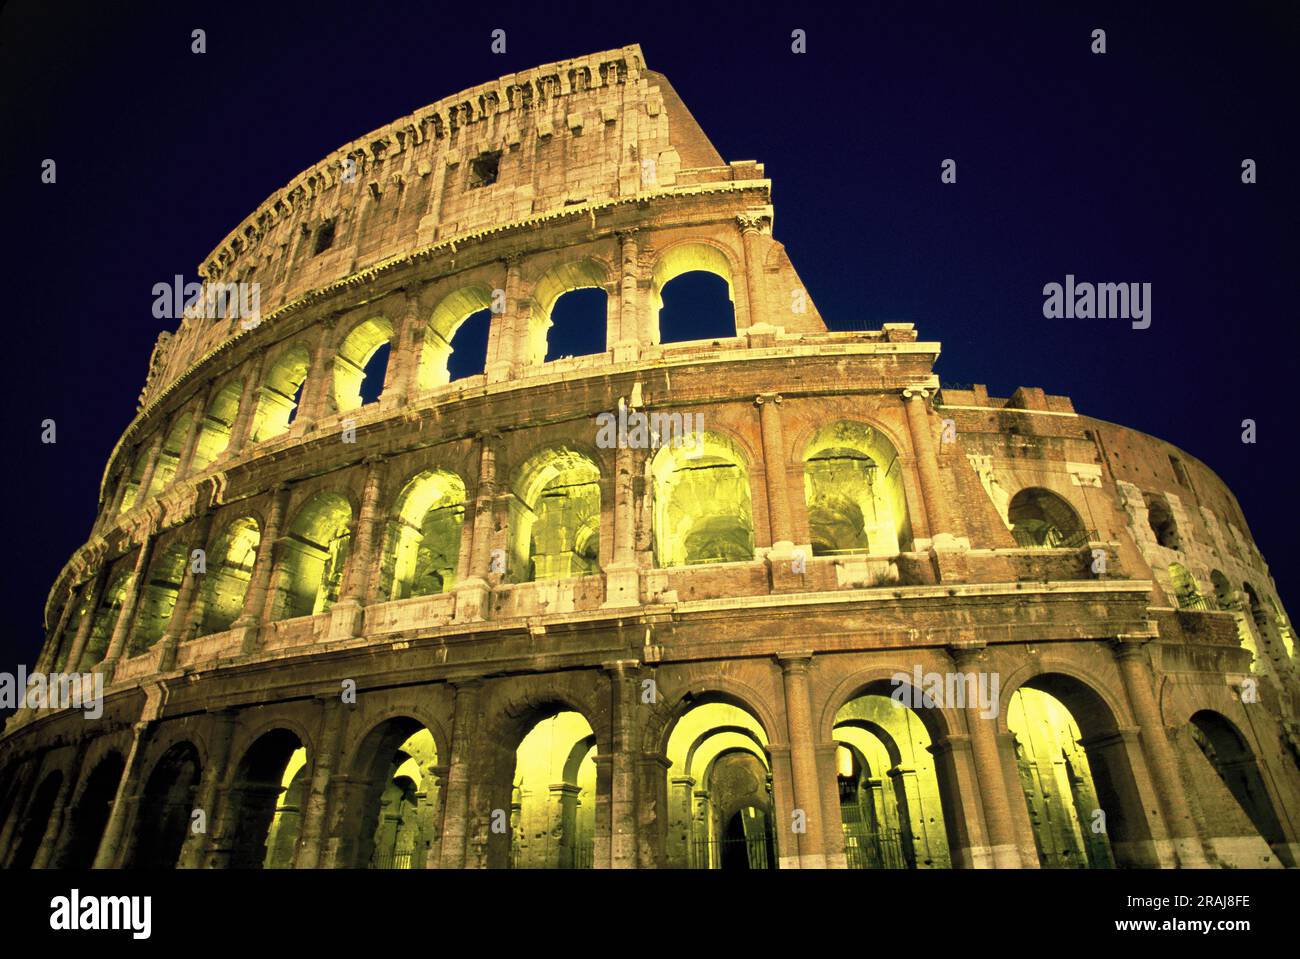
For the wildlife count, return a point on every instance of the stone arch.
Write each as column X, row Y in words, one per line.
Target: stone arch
column 132, row 494
column 33, row 821
column 1160, row 517
column 582, row 274
column 718, row 766
column 277, row 403
column 553, row 792
column 1187, row 594
column 158, row 595
column 169, row 455
column 696, row 254
column 854, row 491
column 702, row 503
column 105, row 621
column 90, row 811
column 354, row 354
column 1229, row 753
column 163, row 818
column 1112, row 778
column 423, row 538
column 255, row 797
column 397, row 744
column 445, row 321
column 555, row 519
column 312, row 557
column 217, row 424
column 1042, row 518
column 229, row 563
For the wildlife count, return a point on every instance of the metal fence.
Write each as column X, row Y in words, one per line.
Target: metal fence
column 401, row 859
column 731, row 854
column 880, row 849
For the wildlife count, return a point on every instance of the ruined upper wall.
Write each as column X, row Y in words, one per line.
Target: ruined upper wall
column 563, row 135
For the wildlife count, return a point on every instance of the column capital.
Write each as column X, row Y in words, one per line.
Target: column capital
column 754, row 222
column 967, row 651
column 794, row 660
column 773, row 398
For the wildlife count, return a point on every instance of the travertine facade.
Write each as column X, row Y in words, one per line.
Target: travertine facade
column 456, row 627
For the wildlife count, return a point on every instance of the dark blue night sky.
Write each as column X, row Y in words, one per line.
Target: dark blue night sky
column 1120, row 168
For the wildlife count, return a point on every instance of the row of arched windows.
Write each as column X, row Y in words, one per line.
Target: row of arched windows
column 692, row 297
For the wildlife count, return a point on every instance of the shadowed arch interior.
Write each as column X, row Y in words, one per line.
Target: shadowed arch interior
column 555, row 517
column 313, row 557
column 424, row 537
column 854, row 492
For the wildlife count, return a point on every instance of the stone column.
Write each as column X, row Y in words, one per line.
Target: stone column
column 830, row 808
column 402, row 376
column 54, row 828
column 622, row 785
column 631, row 335
column 324, row 763
column 437, row 775
column 316, row 395
column 471, row 594
column 50, row 651
column 95, row 595
column 242, row 428
column 196, row 845
column 180, row 619
column 750, row 229
column 778, row 503
column 192, row 437
column 622, row 580
column 927, row 463
column 988, row 769
column 455, row 821
column 503, row 330
column 803, row 757
column 348, row 614
column 1135, row 669
column 17, row 814
column 111, row 848
column 126, row 618
column 151, row 467
column 250, row 619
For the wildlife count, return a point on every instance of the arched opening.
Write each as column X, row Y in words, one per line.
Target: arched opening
column 90, row 814
column 696, row 306
column 424, row 537
column 313, row 557
column 702, row 507
column 891, row 808
column 229, row 570
column 1057, row 782
column 555, row 517
column 163, row 819
column 1097, row 791
column 1283, row 627
column 1232, row 759
column 1186, row 593
column 35, row 820
column 101, row 629
column 553, row 812
column 853, row 488
column 169, row 456
column 1161, row 519
column 1041, row 518
column 280, row 395
column 720, row 809
column 570, row 315
column 393, row 804
column 577, row 324
column 158, row 598
column 135, row 477
column 265, row 802
column 692, row 295
column 456, row 337
column 362, row 363
column 216, row 426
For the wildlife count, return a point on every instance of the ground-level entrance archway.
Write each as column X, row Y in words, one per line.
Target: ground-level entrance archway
column 261, row 824
column 163, row 819
column 90, row 814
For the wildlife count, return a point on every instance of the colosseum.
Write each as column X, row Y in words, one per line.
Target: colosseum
column 382, row 578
